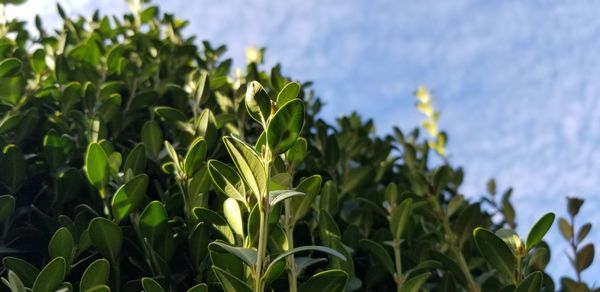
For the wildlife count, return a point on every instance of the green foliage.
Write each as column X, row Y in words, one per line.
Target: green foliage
column 134, row 159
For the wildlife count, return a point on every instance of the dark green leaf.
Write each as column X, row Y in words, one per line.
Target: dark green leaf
column 26, row 272
column 150, row 285
column 247, row 255
column 415, row 283
column 288, row 93
column 96, row 274
column 10, row 67
column 330, row 280
column 258, row 103
column 226, row 180
column 249, row 165
column 107, row 237
column 62, row 245
column 129, row 196
column 538, row 230
column 495, row 252
column 379, row 253
column 194, row 159
column 136, row 160
column 584, row 257
column 7, row 206
column 14, row 167
column 199, row 288
column 400, row 218
column 153, row 221
column 285, row 126
column 229, row 282
column 532, row 283
column 51, row 276
column 152, row 138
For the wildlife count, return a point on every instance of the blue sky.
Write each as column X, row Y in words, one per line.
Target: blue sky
column 516, row 81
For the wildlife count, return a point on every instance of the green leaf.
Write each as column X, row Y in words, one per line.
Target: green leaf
column 152, row 138
column 247, row 255
column 96, row 165
column 206, row 126
column 301, row 205
column 581, row 234
column 330, row 280
column 87, row 53
column 532, row 283
column 14, row 167
column 584, row 257
column 99, row 288
column 400, row 218
column 495, row 252
column 230, row 282
column 26, row 271
column 51, row 276
column 129, row 196
column 329, row 198
column 107, row 237
column 153, row 221
column 323, row 249
column 62, row 245
column 136, row 160
column 249, row 164
column 285, row 126
column 174, row 118
column 10, row 67
column 226, row 180
column 233, row 215
column 14, row 283
column 565, row 229
column 276, row 197
column 511, row 238
column 7, row 206
column 288, row 93
column 217, row 222
column 258, row 103
column 538, row 230
column 198, row 243
column 96, row 274
column 150, row 285
column 379, row 253
column 199, row 288
column 202, row 89
column 415, row 283
column 296, row 154
column 194, row 159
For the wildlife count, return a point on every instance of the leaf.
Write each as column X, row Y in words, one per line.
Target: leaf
column 581, row 234
column 150, row 285
column 233, row 215
column 14, row 283
column 62, row 245
column 288, row 93
column 199, row 288
column 96, row 274
column 247, row 255
column 276, row 197
column 573, row 205
column 565, row 229
column 415, row 283
column 285, row 126
column 153, row 221
column 107, row 237
column 152, row 138
column 249, row 164
column 538, row 230
column 229, row 282
column 226, row 180
column 323, row 249
column 258, row 103
column 511, row 238
column 379, row 253
column 51, row 276
column 296, row 154
column 329, row 198
column 7, row 206
column 330, row 280
column 136, row 160
column 194, row 159
column 198, row 243
column 14, row 167
column 96, row 165
column 584, row 257
column 174, row 118
column 202, row 89
column 10, row 67
column 532, row 283
column 26, row 271
column 99, row 288
column 400, row 218
column 495, row 252
column 300, row 206
column 129, row 196
column 217, row 222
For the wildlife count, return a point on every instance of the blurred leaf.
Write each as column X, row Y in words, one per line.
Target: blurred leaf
column 495, row 252
column 538, row 230
column 330, row 280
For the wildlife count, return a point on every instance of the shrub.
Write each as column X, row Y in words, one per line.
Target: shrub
column 132, row 159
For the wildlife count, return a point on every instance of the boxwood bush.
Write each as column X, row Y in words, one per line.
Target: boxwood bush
column 133, row 158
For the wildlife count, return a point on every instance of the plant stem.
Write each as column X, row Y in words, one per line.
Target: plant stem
column 263, row 235
column 399, row 278
column 291, row 262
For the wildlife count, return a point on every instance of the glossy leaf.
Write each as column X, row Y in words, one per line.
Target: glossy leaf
column 107, row 237
column 150, row 285
column 226, row 180
column 136, row 160
column 51, row 276
column 96, row 274
column 323, row 249
column 199, row 288
column 247, row 255
column 153, row 221
column 129, row 196
column 415, row 283
column 289, row 92
column 62, row 245
column 330, row 280
column 495, row 252
column 258, row 102
column 532, row 283
column 249, row 165
column 300, row 206
column 276, row 197
column 96, row 165
column 229, row 282
column 194, row 159
column 26, row 272
column 539, row 229
column 233, row 215
column 285, row 126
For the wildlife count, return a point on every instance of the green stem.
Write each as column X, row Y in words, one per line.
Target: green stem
column 291, row 262
column 263, row 236
column 399, row 278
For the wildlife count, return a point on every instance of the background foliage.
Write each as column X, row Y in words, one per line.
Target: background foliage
column 133, row 159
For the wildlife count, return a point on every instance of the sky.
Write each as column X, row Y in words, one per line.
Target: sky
column 516, row 81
